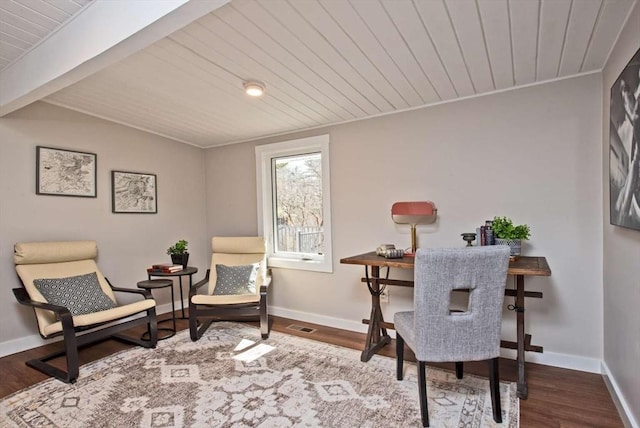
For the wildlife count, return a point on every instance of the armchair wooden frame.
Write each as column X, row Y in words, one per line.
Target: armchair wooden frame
column 66, row 260
column 213, row 312
column 73, row 341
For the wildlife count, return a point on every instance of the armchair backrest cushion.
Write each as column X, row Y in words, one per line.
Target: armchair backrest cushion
column 442, row 335
column 28, row 253
column 46, row 260
column 237, row 251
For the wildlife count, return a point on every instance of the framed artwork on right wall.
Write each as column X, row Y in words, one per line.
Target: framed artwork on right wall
column 624, row 147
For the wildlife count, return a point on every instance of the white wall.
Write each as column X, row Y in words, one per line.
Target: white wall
column 532, row 154
column 621, row 254
column 127, row 243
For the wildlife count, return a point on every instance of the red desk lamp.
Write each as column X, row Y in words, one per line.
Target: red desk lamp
column 414, row 213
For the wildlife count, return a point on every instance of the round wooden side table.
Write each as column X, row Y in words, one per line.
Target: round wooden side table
column 153, row 284
column 188, row 271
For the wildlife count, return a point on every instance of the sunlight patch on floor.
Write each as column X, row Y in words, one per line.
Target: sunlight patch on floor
column 250, row 351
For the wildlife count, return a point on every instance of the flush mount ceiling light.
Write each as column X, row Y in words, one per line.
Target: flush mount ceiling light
column 253, row 88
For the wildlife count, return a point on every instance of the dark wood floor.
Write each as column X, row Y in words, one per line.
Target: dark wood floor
column 557, row 397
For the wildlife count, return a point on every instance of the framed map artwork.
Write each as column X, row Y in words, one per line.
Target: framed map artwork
column 134, row 192
column 62, row 172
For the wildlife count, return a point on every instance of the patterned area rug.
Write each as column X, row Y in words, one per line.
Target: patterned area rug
column 231, row 378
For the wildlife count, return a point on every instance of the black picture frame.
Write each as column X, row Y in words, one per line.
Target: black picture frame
column 624, row 147
column 134, row 193
column 62, row 172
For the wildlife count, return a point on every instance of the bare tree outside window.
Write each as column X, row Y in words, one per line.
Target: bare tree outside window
column 298, row 203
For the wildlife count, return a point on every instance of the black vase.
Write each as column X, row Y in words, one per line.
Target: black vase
column 180, row 259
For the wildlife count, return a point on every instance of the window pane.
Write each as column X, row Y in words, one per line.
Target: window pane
column 298, row 204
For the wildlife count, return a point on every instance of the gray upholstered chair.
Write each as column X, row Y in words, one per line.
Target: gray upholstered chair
column 437, row 334
column 237, row 285
column 62, row 283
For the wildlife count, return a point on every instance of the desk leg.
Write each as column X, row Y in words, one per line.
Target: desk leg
column 522, row 376
column 377, row 335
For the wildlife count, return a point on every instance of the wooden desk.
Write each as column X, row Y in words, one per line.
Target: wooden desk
column 377, row 335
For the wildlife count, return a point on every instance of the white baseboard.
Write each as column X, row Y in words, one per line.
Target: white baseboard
column 618, row 398
column 33, row 341
column 554, row 359
column 24, row 343
column 318, row 319
column 573, row 362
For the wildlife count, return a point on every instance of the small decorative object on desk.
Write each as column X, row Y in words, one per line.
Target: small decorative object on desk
column 389, row 251
column 468, row 238
column 179, row 254
column 507, row 234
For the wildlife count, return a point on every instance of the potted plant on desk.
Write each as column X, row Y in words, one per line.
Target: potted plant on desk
column 506, row 233
column 179, row 254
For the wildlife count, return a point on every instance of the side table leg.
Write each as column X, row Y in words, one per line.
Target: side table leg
column 522, row 376
column 182, row 298
column 173, row 310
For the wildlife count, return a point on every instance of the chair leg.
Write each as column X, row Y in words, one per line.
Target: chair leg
column 152, row 327
column 459, row 369
column 203, row 328
column 494, row 385
column 193, row 321
column 264, row 318
column 422, row 392
column 70, row 353
column 399, row 355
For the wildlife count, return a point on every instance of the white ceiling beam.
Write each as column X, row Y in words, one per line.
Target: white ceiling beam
column 103, row 33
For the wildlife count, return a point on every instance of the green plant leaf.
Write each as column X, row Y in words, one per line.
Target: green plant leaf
column 503, row 228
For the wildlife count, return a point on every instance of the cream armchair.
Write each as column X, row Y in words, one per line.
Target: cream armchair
column 236, row 285
column 62, row 283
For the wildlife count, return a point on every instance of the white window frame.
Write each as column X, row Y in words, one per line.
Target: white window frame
column 264, row 177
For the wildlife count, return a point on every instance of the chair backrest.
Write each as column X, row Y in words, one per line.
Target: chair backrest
column 236, row 251
column 442, row 335
column 61, row 259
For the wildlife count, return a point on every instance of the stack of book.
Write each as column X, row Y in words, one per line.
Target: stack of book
column 164, row 268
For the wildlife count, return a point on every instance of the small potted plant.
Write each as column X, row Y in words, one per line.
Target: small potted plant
column 179, row 254
column 506, row 233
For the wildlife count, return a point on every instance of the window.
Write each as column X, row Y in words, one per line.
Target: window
column 294, row 211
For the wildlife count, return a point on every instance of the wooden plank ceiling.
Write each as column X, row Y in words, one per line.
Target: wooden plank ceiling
column 326, row 61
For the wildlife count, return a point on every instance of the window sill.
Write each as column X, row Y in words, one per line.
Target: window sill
column 298, row 264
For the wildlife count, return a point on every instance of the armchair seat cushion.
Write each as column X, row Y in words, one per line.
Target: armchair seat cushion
column 102, row 316
column 232, row 299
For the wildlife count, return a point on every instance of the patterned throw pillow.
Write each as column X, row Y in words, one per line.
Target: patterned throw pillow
column 235, row 279
column 81, row 294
